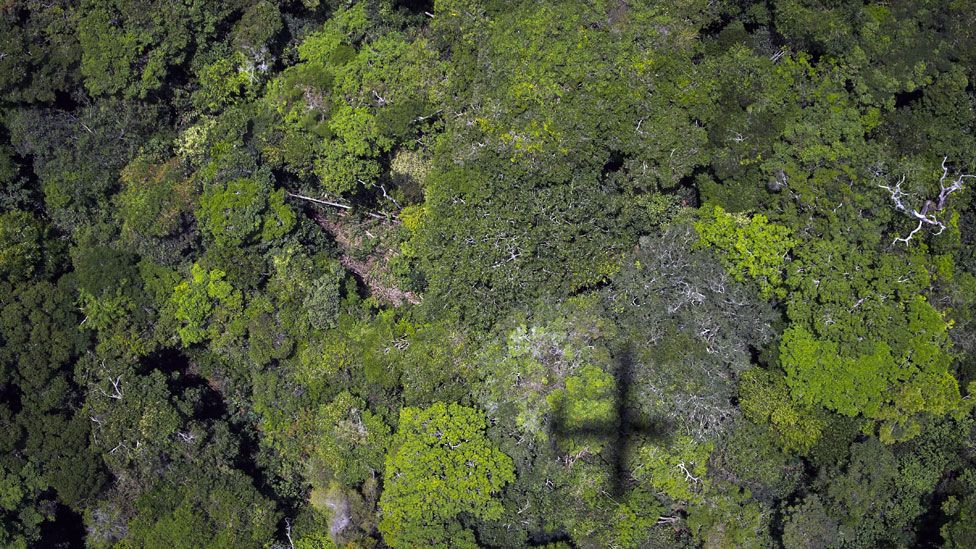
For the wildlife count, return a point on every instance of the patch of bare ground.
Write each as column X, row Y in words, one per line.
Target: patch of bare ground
column 354, row 235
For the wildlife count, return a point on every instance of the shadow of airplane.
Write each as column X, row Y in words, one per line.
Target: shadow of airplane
column 621, row 432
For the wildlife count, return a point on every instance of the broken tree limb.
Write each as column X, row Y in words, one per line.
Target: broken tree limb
column 339, row 205
column 319, row 201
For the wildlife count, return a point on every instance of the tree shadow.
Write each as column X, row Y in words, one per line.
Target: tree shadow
column 623, row 432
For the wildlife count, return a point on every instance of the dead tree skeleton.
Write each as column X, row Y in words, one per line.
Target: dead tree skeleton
column 928, row 214
column 116, row 388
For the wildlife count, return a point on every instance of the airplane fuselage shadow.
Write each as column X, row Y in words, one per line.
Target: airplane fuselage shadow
column 622, row 433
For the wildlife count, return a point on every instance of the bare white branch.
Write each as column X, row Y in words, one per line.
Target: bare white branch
column 187, row 437
column 319, row 201
column 346, row 207
column 291, row 542
column 688, row 475
column 928, row 215
column 116, row 389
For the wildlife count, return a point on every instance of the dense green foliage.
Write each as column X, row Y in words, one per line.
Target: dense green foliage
column 463, row 273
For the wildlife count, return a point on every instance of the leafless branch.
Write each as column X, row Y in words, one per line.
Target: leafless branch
column 291, row 543
column 688, row 475
column 927, row 216
column 388, row 197
column 568, row 460
column 385, row 195
column 187, row 437
column 346, row 207
column 116, row 388
column 319, row 201
column 432, row 115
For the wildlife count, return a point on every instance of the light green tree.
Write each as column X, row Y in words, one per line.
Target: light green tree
column 893, row 383
column 750, row 247
column 196, row 299
column 679, row 470
column 441, row 465
column 244, row 210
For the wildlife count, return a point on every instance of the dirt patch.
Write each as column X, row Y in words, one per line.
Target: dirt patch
column 353, row 235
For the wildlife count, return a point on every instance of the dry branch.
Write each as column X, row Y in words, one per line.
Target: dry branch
column 928, row 213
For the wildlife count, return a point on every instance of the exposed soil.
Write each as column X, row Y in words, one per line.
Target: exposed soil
column 349, row 233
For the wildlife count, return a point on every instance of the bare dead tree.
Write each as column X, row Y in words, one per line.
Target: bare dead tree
column 96, row 421
column 291, row 542
column 383, row 189
column 116, row 389
column 188, row 437
column 319, row 201
column 928, row 214
column 339, row 205
column 390, row 198
column 688, row 475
